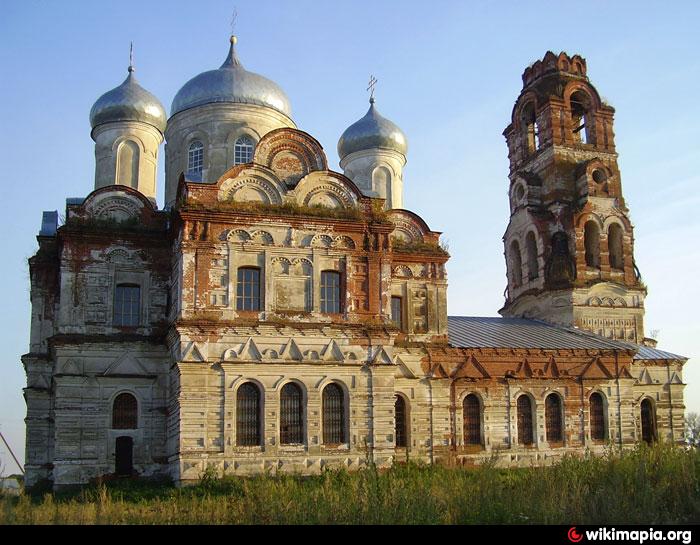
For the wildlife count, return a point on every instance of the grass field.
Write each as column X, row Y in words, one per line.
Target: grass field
column 643, row 486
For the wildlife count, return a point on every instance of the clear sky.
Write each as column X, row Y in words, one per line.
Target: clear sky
column 449, row 73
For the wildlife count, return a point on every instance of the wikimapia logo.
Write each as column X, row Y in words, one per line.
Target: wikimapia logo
column 637, row 536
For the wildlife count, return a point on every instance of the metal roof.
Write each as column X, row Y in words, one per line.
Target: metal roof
column 372, row 131
column 649, row 353
column 496, row 332
column 231, row 83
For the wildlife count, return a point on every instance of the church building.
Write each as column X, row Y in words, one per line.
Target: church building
column 280, row 316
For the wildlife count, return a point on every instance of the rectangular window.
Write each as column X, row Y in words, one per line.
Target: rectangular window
column 396, row 312
column 127, row 305
column 330, row 292
column 248, row 289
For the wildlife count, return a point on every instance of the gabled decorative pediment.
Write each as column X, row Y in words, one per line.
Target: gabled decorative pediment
column 126, row 364
column 291, row 351
column 332, row 352
column 381, row 357
column 596, row 369
column 675, row 379
column 72, row 366
column 645, row 377
column 471, row 368
column 438, row 371
column 551, row 369
column 524, row 370
column 250, row 351
column 40, row 381
column 402, row 370
column 625, row 373
column 192, row 353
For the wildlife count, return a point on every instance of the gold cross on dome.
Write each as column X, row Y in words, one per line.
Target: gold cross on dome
column 372, row 84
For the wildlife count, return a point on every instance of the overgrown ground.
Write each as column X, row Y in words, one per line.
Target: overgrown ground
column 644, row 486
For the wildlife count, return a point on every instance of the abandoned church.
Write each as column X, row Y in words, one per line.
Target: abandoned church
column 277, row 315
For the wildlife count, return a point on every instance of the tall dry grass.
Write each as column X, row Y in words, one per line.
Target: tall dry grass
column 643, row 486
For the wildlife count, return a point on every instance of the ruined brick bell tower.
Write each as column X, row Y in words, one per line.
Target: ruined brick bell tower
column 569, row 245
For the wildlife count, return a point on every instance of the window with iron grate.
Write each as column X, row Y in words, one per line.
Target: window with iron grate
column 525, row 435
column 291, row 415
column 333, row 415
column 597, row 417
column 248, row 415
column 125, row 412
column 552, row 417
column 400, row 415
column 472, row 420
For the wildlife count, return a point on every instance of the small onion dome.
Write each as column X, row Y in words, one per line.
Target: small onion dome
column 128, row 102
column 372, row 131
column 230, row 83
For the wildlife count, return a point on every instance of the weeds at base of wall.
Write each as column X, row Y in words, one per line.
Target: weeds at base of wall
column 646, row 485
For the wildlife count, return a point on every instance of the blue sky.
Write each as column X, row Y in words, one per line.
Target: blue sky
column 449, row 73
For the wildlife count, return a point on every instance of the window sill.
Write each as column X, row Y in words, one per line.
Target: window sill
column 293, row 448
column 340, row 447
column 469, row 449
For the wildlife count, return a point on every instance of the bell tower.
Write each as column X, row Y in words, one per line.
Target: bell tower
column 569, row 244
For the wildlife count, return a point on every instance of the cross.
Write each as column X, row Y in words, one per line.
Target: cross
column 234, row 16
column 372, row 83
column 131, row 57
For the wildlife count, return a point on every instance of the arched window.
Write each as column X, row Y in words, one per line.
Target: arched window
column 615, row 247
column 532, row 265
column 591, row 236
column 128, row 164
column 125, row 412
column 580, row 117
column 648, row 421
column 195, row 158
column 333, row 415
column 243, row 150
column 471, row 413
column 400, row 416
column 598, row 432
column 525, row 428
column 516, row 262
column 248, row 289
column 127, row 305
column 381, row 183
column 330, row 292
column 248, row 415
column 530, row 128
column 291, row 415
column 552, row 417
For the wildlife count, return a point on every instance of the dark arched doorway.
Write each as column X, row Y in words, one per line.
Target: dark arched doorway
column 124, row 456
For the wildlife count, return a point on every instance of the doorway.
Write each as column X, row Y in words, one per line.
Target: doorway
column 124, row 456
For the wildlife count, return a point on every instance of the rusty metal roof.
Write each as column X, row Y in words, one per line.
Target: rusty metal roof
column 496, row 332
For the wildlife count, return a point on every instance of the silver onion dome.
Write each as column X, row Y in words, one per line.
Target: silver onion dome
column 230, row 83
column 372, row 131
column 128, row 102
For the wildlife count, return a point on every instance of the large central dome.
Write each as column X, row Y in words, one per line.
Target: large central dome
column 231, row 83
